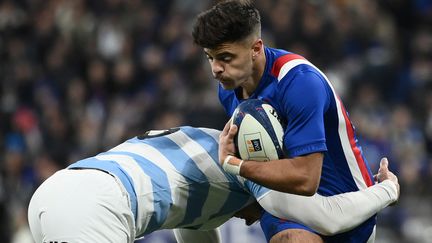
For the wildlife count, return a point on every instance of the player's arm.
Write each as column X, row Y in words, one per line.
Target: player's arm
column 300, row 175
column 304, row 138
column 339, row 213
column 197, row 236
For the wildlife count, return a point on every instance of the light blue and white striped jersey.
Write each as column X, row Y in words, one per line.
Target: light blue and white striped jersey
column 174, row 179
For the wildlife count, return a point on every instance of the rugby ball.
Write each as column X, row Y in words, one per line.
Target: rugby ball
column 260, row 133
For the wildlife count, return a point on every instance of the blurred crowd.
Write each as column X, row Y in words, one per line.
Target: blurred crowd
column 79, row 76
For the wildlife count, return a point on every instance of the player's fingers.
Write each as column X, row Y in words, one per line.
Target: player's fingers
column 226, row 129
column 232, row 131
column 383, row 164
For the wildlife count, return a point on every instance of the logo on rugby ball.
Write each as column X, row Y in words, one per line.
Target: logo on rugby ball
column 254, row 142
column 254, row 145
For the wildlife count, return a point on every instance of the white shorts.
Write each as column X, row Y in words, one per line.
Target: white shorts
column 83, row 205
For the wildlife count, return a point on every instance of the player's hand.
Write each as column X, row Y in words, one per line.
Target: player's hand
column 385, row 174
column 226, row 142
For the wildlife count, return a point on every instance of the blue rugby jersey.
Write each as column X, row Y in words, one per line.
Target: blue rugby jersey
column 174, row 180
column 316, row 122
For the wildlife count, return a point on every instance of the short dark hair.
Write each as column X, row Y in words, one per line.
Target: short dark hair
column 228, row 21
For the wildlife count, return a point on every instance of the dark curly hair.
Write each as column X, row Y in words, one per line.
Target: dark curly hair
column 228, row 21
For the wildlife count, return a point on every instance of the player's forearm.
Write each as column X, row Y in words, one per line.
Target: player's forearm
column 331, row 215
column 300, row 175
column 276, row 175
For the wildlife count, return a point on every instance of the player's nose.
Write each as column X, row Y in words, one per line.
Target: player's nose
column 217, row 68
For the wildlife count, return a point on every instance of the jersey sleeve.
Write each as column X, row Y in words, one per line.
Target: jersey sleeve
column 256, row 190
column 334, row 214
column 303, row 95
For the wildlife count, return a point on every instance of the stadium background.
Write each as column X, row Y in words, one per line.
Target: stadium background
column 80, row 76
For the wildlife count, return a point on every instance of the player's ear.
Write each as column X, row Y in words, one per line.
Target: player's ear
column 257, row 47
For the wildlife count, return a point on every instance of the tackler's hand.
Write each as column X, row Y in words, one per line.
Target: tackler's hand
column 385, row 174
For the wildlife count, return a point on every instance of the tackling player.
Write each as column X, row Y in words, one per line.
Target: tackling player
column 172, row 179
column 323, row 154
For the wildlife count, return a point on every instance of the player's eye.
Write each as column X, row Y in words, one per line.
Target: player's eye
column 226, row 59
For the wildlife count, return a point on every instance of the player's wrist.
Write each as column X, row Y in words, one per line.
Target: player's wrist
column 391, row 189
column 232, row 164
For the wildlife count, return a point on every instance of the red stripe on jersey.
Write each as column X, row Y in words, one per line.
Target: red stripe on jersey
column 280, row 61
column 360, row 162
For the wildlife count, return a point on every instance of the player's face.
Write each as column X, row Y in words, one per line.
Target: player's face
column 250, row 213
column 231, row 63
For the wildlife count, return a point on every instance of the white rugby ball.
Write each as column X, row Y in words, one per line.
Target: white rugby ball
column 260, row 134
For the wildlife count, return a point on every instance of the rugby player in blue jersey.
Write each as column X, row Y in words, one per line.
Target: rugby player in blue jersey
column 322, row 151
column 172, row 179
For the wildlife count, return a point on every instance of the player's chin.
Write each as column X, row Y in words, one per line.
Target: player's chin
column 228, row 85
